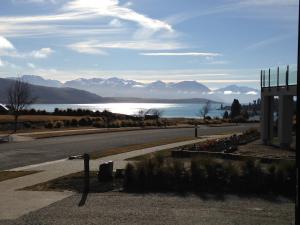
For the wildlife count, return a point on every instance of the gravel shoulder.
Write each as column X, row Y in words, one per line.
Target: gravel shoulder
column 256, row 148
column 122, row 208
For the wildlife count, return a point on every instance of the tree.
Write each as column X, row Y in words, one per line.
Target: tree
column 205, row 110
column 155, row 113
column 19, row 97
column 235, row 108
column 225, row 115
column 141, row 116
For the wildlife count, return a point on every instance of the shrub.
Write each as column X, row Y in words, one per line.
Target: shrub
column 85, row 122
column 253, row 177
column 129, row 177
column 99, row 124
column 58, row 124
column 49, row 125
column 67, row 123
column 74, row 123
column 210, row 175
column 115, row 124
column 27, row 125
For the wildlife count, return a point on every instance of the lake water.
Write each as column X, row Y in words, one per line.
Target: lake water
column 169, row 110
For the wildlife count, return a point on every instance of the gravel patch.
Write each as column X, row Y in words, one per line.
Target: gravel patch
column 256, row 148
column 131, row 209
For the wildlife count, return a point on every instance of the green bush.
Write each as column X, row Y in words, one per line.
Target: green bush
column 85, row 122
column 67, row 123
column 49, row 125
column 58, row 124
column 27, row 125
column 99, row 124
column 74, row 123
column 210, row 175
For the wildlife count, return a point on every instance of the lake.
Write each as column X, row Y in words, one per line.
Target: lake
column 169, row 110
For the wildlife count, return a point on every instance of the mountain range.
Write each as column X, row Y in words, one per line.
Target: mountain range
column 116, row 87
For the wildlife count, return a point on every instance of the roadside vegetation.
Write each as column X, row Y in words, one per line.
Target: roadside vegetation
column 208, row 175
column 30, row 119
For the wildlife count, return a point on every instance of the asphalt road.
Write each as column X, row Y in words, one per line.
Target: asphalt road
column 18, row 154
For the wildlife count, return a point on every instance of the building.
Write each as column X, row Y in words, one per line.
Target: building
column 282, row 84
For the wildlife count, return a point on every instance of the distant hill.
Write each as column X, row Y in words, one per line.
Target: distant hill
column 53, row 95
column 37, row 80
column 65, row 95
column 115, row 87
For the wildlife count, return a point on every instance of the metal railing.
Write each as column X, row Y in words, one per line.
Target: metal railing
column 278, row 77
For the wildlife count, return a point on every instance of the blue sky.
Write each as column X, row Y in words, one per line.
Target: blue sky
column 214, row 42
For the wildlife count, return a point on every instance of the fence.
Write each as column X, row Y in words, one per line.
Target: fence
column 278, row 77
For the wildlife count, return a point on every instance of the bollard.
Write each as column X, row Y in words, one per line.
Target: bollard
column 86, row 158
column 105, row 172
column 196, row 131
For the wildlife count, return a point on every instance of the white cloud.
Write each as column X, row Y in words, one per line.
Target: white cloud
column 270, row 41
column 38, row 54
column 231, row 93
column 205, row 54
column 87, row 9
column 252, row 93
column 41, row 53
column 5, row 44
column 35, row 1
column 31, row 65
column 128, row 4
column 66, row 21
column 1, row 63
column 115, row 23
column 111, row 8
column 281, row 3
column 95, row 47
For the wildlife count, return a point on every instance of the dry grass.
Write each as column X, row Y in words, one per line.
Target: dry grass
column 81, row 131
column 164, row 153
column 75, row 182
column 6, row 175
column 129, row 148
column 37, row 118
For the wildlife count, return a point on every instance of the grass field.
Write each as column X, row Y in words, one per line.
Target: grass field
column 37, row 118
column 129, row 148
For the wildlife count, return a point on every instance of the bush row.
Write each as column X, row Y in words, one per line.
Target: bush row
column 102, row 123
column 209, row 175
column 229, row 144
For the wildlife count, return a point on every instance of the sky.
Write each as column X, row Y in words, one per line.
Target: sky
column 214, row 42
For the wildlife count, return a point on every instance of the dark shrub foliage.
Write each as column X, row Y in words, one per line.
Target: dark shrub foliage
column 209, row 175
column 74, row 123
column 49, row 125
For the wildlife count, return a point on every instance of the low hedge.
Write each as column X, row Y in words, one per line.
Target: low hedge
column 210, row 175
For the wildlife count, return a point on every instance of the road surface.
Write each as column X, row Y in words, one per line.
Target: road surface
column 18, row 154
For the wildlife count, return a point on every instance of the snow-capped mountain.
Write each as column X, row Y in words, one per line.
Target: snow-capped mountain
column 37, row 80
column 190, row 86
column 117, row 87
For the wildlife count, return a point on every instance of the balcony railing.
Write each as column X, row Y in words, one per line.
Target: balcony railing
column 278, row 77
